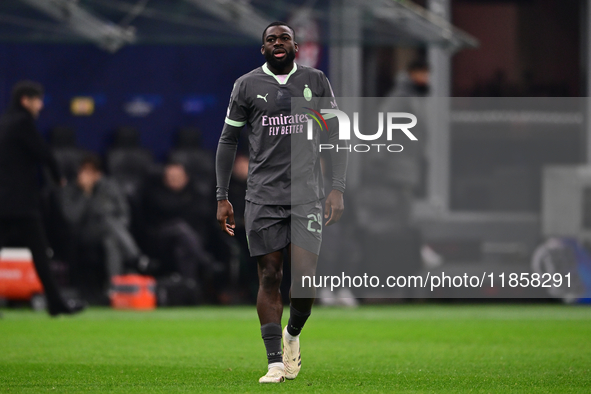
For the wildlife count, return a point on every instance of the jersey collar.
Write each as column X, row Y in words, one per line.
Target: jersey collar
column 267, row 71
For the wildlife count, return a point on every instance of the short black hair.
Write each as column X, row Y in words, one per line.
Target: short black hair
column 418, row 65
column 278, row 23
column 91, row 160
column 25, row 89
column 175, row 162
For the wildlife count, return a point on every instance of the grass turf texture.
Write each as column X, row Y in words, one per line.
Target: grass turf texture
column 403, row 349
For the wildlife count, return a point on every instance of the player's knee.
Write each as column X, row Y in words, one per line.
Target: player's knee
column 271, row 277
column 304, row 269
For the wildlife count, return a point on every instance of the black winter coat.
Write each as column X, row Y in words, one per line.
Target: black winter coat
column 22, row 149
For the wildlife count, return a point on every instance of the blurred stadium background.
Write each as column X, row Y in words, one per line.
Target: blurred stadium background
column 130, row 75
column 143, row 82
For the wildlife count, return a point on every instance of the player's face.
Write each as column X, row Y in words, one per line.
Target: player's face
column 279, row 47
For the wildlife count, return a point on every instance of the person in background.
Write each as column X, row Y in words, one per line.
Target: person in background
column 406, row 173
column 414, row 82
column 173, row 213
column 98, row 214
column 339, row 252
column 403, row 180
column 21, row 149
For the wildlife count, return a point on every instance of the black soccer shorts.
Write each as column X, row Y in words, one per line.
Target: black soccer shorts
column 270, row 228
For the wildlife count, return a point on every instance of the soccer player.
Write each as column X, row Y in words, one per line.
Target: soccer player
column 280, row 216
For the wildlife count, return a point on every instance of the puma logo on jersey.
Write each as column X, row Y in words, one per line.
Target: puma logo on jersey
column 263, row 97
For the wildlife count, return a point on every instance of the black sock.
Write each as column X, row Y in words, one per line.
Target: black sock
column 296, row 322
column 271, row 333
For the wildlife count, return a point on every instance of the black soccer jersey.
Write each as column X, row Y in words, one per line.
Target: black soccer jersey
column 262, row 101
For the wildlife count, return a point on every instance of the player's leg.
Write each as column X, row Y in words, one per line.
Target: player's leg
column 303, row 263
column 267, row 231
column 269, row 304
column 270, row 309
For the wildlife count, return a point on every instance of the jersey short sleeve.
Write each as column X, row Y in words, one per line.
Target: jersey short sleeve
column 237, row 114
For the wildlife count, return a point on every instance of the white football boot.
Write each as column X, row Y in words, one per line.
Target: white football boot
column 275, row 374
column 292, row 359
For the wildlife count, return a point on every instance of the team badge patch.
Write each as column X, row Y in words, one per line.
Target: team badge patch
column 307, row 93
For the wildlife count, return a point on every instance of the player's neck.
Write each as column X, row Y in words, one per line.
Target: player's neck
column 281, row 71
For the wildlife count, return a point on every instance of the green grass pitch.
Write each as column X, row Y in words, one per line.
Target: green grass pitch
column 402, row 349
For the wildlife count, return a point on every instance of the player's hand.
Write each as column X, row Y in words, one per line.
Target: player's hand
column 334, row 207
column 225, row 217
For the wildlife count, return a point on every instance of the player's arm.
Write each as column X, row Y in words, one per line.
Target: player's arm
column 224, row 163
column 226, row 153
column 335, row 205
